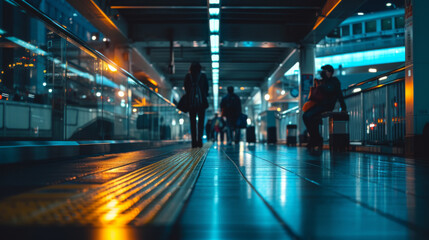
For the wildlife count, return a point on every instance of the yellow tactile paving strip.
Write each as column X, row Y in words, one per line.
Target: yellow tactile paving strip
column 132, row 199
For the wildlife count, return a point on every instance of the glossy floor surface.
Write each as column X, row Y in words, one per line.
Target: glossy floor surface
column 279, row 192
column 249, row 192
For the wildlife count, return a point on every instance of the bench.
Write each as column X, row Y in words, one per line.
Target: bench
column 339, row 138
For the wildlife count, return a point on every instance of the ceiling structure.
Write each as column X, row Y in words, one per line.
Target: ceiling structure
column 256, row 37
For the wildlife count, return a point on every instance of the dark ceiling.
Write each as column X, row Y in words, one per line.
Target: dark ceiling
column 380, row 5
column 255, row 36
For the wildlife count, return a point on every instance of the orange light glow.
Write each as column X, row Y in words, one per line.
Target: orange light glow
column 112, row 68
column 152, row 81
column 111, row 233
column 327, row 9
column 141, row 103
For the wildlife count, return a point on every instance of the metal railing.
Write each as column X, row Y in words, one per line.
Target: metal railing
column 376, row 107
column 57, row 87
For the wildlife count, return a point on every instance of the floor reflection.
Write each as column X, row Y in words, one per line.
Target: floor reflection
column 114, row 233
column 339, row 195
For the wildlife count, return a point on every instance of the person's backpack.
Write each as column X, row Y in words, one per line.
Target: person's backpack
column 231, row 106
column 196, row 99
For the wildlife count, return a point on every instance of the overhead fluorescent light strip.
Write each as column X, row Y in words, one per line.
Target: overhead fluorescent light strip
column 214, row 25
column 214, row 12
column 214, row 40
column 214, row 49
column 215, row 57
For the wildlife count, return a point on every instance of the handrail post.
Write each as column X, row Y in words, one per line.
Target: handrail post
column 388, row 123
column 363, row 125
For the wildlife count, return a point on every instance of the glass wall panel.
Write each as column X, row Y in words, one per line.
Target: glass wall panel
column 115, row 103
column 399, row 22
column 54, row 87
column 357, row 28
column 345, row 31
column 83, row 121
column 371, row 26
column 386, row 24
column 67, row 16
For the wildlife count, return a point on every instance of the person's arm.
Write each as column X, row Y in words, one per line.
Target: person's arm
column 206, row 90
column 239, row 104
column 341, row 100
column 187, row 84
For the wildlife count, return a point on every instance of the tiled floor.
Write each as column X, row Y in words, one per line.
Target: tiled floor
column 251, row 192
column 291, row 194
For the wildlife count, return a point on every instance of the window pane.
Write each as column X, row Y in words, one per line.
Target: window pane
column 357, row 28
column 386, row 24
column 371, row 26
column 399, row 22
column 345, row 30
column 335, row 33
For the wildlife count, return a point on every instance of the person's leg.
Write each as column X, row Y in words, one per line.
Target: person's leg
column 229, row 131
column 311, row 120
column 208, row 134
column 306, row 117
column 193, row 121
column 237, row 134
column 201, row 115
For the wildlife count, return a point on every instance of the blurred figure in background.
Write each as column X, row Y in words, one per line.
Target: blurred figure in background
column 197, row 89
column 231, row 109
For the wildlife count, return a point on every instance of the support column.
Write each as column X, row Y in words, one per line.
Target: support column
column 416, row 76
column 307, row 68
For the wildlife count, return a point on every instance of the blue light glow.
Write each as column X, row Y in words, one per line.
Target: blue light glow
column 215, row 57
column 215, row 99
column 214, row 12
column 215, row 64
column 357, row 59
column 214, row 25
column 248, row 44
column 214, row 1
column 214, row 40
column 28, row 46
column 293, row 70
